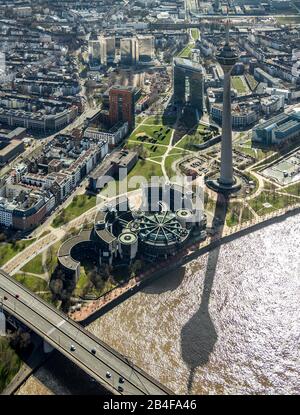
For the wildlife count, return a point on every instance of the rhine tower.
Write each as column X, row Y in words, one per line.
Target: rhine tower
column 226, row 183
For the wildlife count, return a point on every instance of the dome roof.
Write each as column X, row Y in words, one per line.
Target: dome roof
column 161, row 229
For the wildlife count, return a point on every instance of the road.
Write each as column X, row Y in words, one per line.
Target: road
column 61, row 332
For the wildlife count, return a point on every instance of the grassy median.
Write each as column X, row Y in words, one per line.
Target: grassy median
column 9, row 249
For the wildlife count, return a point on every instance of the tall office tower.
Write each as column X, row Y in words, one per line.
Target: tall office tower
column 110, row 49
column 94, row 50
column 103, row 53
column 2, row 64
column 227, row 58
column 122, row 105
column 129, row 51
column 107, row 50
column 146, row 48
column 188, row 83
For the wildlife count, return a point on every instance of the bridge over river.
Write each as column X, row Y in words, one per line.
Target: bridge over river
column 61, row 333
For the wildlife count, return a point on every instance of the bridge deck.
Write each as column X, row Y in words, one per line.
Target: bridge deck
column 61, row 332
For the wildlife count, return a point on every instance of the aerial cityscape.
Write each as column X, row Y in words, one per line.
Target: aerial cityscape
column 149, row 197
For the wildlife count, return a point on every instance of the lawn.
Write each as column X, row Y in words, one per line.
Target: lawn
column 85, row 287
column 195, row 34
column 35, row 284
column 249, row 151
column 252, row 178
column 160, row 120
column 168, row 164
column 151, row 150
column 142, row 169
column 9, row 250
column 239, row 84
column 178, row 151
column 82, row 283
column 157, row 159
column 198, row 137
column 35, row 266
column 187, row 142
column 294, row 189
column 246, row 215
column 155, row 134
column 275, row 200
column 233, row 214
column 51, row 258
column 269, row 186
column 77, row 207
column 232, row 218
column 257, row 153
column 9, row 363
column 186, row 52
column 145, row 169
column 154, row 120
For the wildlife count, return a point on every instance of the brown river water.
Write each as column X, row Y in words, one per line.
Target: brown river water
column 226, row 323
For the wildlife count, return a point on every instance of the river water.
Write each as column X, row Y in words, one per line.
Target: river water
column 226, row 323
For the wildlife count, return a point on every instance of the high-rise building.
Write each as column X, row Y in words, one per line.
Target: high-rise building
column 227, row 183
column 102, row 50
column 129, row 49
column 110, row 49
column 2, row 64
column 146, row 48
column 121, row 105
column 94, row 51
column 188, row 83
column 107, row 50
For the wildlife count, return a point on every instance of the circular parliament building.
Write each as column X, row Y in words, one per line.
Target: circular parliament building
column 164, row 223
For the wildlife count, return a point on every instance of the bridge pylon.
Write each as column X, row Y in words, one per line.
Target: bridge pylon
column 2, row 321
column 47, row 347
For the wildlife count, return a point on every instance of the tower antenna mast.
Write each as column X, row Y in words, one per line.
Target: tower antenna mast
column 227, row 29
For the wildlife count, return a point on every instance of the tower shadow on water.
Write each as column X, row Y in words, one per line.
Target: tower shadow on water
column 199, row 336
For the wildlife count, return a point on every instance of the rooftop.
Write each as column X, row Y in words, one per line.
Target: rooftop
column 188, row 64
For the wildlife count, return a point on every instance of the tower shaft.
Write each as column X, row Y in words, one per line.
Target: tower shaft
column 226, row 176
column 226, row 183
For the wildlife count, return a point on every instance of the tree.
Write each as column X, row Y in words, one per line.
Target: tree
column 135, row 267
column 97, row 278
column 56, row 286
column 50, row 260
column 20, row 339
